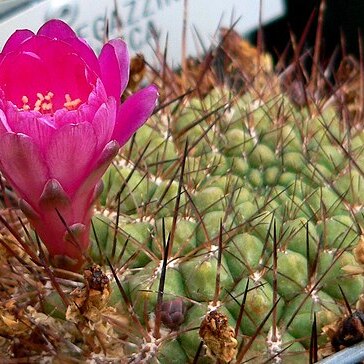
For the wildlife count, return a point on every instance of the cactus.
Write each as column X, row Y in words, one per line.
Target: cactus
column 229, row 229
column 240, row 212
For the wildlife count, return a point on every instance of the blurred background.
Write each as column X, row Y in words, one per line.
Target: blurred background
column 143, row 23
column 146, row 22
column 342, row 23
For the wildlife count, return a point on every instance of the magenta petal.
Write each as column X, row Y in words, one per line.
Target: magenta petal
column 104, row 122
column 31, row 124
column 56, row 29
column 70, row 155
column 4, row 125
column 16, row 39
column 114, row 64
column 104, row 159
column 22, row 165
column 86, row 193
column 30, row 74
column 134, row 112
column 108, row 154
column 87, row 111
column 85, row 52
column 42, row 65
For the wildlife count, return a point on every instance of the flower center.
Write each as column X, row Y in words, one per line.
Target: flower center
column 44, row 103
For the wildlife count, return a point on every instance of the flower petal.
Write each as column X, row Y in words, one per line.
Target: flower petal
column 56, row 47
column 30, row 77
column 86, row 112
column 43, row 65
column 85, row 194
column 83, row 50
column 4, row 126
column 134, row 112
column 114, row 64
column 16, row 39
column 23, row 166
column 32, row 124
column 56, row 29
column 71, row 154
column 104, row 123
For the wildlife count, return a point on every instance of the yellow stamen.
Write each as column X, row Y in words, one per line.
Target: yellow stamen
column 46, row 107
column 49, row 96
column 67, row 97
column 44, row 103
column 40, row 96
column 37, row 105
column 25, row 101
column 71, row 104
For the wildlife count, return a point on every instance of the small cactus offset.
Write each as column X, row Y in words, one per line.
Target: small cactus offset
column 229, row 230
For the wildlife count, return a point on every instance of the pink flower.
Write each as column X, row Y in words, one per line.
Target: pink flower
column 61, row 124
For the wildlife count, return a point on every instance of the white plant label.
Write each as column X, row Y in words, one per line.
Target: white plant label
column 141, row 19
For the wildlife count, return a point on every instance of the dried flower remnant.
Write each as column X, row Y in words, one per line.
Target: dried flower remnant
column 218, row 336
column 92, row 299
column 61, row 124
column 137, row 72
column 346, row 331
column 96, row 278
column 90, row 310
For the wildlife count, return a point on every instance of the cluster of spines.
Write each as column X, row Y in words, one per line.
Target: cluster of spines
column 214, row 179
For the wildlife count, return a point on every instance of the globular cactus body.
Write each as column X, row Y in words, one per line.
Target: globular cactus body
column 269, row 196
